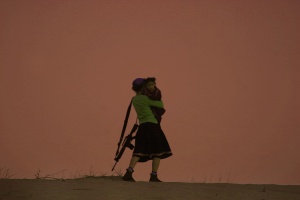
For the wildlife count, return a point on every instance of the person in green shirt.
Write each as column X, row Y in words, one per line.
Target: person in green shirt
column 150, row 142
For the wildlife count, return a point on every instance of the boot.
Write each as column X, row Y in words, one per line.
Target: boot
column 128, row 176
column 153, row 178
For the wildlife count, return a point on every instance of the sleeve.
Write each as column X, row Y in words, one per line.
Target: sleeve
column 158, row 94
column 158, row 104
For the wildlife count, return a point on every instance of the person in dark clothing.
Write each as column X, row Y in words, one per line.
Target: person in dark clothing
column 154, row 93
column 150, row 142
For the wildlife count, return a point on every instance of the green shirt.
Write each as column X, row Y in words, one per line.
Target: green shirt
column 142, row 105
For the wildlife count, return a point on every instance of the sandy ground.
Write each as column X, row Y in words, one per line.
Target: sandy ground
column 114, row 188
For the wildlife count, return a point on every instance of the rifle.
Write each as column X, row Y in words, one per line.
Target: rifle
column 128, row 138
column 126, row 143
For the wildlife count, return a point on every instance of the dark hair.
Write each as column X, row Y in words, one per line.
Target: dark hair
column 138, row 84
column 137, row 88
column 150, row 79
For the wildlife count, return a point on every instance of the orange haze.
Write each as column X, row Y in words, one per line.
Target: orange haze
column 228, row 72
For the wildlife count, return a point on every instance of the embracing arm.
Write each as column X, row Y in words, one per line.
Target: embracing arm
column 158, row 104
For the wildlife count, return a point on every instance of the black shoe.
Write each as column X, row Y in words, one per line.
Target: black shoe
column 128, row 176
column 153, row 178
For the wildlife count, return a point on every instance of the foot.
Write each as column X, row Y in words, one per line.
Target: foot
column 128, row 176
column 153, row 178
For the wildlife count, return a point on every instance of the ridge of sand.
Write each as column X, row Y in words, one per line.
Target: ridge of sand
column 113, row 187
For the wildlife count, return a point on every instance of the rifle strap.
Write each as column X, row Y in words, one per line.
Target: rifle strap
column 124, row 126
column 126, row 119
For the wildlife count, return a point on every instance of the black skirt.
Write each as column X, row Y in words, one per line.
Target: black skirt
column 151, row 142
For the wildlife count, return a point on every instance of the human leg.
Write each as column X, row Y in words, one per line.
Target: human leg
column 155, row 166
column 133, row 161
column 129, row 170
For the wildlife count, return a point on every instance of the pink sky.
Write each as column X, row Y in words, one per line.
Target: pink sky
column 228, row 72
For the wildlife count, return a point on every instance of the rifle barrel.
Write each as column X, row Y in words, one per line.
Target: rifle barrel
column 114, row 166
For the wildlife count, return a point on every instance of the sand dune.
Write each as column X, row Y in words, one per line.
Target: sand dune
column 112, row 187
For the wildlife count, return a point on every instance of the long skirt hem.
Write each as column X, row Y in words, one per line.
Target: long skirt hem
column 147, row 157
column 151, row 142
